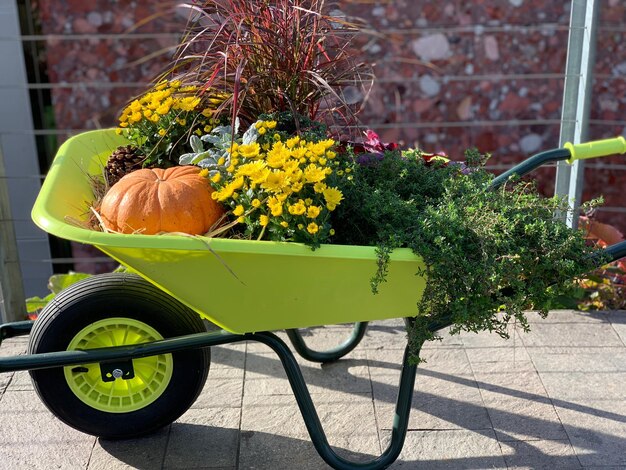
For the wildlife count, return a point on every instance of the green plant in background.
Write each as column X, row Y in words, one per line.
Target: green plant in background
column 56, row 284
column 605, row 287
column 274, row 56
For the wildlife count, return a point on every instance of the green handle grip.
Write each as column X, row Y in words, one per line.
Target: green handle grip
column 597, row 148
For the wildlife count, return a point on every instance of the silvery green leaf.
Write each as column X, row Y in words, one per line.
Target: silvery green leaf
column 215, row 139
column 199, row 157
column 196, row 144
column 186, row 159
column 206, row 163
column 251, row 135
column 222, row 130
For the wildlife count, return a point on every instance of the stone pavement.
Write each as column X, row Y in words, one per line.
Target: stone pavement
column 552, row 398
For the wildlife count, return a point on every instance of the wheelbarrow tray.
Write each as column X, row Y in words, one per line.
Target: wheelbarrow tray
column 243, row 286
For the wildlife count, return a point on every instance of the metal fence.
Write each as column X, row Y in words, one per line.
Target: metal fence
column 41, row 107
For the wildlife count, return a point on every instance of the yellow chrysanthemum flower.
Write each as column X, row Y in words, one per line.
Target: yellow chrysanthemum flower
column 284, row 224
column 162, row 132
column 256, row 203
column 204, row 172
column 216, row 178
column 249, row 150
column 312, row 228
column 319, row 187
column 188, row 103
column 314, row 174
column 275, row 206
column 291, row 143
column 239, row 210
column 313, row 212
column 249, row 169
column 275, row 181
column 298, row 208
column 333, row 197
column 259, row 177
column 278, row 156
column 264, row 220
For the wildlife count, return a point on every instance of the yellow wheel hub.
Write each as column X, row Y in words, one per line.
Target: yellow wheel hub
column 152, row 374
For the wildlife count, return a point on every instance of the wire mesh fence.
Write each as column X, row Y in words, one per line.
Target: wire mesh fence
column 450, row 75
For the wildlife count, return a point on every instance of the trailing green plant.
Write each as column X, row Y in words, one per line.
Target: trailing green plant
column 274, row 56
column 489, row 254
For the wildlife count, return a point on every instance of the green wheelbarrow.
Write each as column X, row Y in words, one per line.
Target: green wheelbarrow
column 120, row 355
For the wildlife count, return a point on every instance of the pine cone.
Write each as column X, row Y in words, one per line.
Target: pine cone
column 121, row 162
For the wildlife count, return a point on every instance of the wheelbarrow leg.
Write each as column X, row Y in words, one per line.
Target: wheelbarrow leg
column 358, row 331
column 312, row 421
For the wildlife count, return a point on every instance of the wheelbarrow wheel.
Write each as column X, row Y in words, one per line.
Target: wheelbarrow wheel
column 131, row 397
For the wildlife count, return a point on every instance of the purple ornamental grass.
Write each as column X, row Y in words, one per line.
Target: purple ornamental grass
column 273, row 56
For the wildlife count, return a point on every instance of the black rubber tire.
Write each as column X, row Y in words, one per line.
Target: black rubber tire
column 107, row 296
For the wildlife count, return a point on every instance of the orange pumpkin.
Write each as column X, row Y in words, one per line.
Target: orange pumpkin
column 155, row 200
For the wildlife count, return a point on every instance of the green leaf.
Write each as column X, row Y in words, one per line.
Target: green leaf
column 35, row 304
column 58, row 282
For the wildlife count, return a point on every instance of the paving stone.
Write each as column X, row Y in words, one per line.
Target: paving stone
column 450, row 449
column 618, row 322
column 5, row 380
column 263, row 451
column 273, row 414
column 489, row 347
column 39, row 456
column 230, row 356
column 596, row 429
column 541, row 454
column 273, row 430
column 517, row 403
column 568, row 359
column 265, row 375
column 441, row 399
column 146, row 452
column 391, row 334
column 204, row 438
column 33, row 438
column 220, row 392
column 21, row 400
column 583, row 334
column 569, row 317
column 21, row 381
column 584, row 386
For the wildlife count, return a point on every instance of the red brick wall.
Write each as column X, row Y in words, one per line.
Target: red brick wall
column 451, row 74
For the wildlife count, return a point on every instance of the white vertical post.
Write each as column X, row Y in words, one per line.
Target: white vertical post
column 576, row 100
column 18, row 146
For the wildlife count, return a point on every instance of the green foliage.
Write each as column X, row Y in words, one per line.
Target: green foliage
column 56, row 284
column 489, row 254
